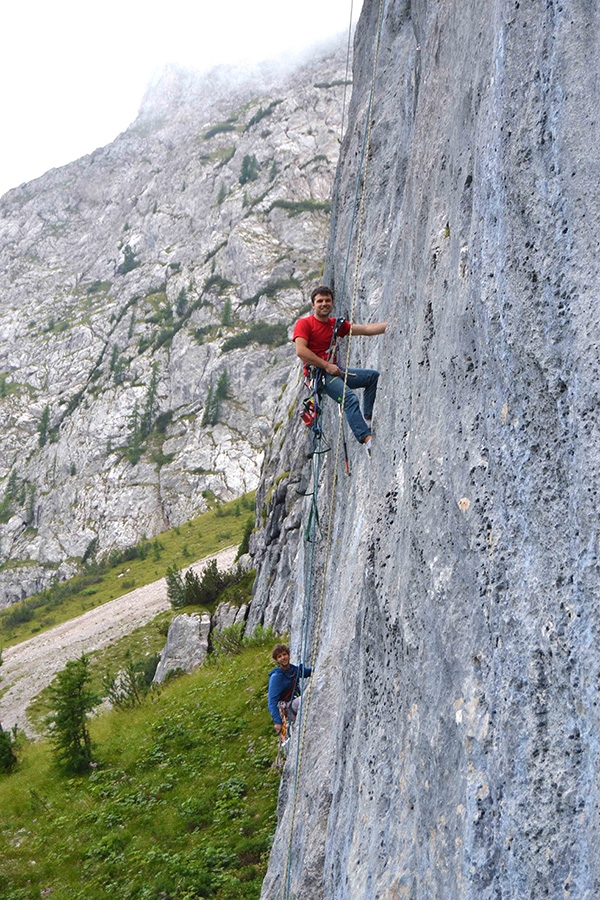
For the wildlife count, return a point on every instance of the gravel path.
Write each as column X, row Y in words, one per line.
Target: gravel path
column 30, row 666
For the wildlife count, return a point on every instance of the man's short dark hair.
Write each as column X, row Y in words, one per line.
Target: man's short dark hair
column 322, row 289
column 280, row 648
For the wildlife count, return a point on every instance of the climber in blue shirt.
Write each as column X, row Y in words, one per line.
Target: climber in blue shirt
column 284, row 685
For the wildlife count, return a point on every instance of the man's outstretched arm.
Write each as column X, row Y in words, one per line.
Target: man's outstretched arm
column 375, row 328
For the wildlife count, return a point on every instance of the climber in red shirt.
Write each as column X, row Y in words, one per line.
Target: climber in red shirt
column 313, row 339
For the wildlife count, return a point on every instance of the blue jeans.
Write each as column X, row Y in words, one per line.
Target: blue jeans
column 357, row 378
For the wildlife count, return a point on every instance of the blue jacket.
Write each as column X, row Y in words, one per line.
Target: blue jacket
column 284, row 685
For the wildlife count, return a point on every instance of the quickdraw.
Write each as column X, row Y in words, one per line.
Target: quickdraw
column 284, row 737
column 311, row 406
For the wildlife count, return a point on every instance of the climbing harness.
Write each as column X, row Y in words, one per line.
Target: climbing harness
column 358, row 210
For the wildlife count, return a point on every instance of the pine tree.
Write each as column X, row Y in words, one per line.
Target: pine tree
column 148, row 415
column 135, row 441
column 222, row 392
column 249, row 171
column 129, row 260
column 226, row 314
column 211, row 409
column 8, row 760
column 175, row 587
column 43, row 426
column 181, row 302
column 72, row 700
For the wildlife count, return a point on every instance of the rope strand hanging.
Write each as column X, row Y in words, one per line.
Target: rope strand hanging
column 358, row 209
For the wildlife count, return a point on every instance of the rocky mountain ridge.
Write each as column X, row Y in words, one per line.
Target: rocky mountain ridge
column 148, row 289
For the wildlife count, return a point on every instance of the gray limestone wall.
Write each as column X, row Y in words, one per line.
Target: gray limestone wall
column 451, row 744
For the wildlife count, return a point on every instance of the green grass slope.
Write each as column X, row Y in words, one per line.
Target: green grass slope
column 179, row 803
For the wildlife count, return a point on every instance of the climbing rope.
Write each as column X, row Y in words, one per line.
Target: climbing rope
column 358, row 209
column 347, row 71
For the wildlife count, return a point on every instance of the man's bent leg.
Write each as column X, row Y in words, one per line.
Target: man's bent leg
column 293, row 709
column 367, row 379
column 334, row 388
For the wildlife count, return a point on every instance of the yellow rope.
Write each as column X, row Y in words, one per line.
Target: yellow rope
column 306, row 698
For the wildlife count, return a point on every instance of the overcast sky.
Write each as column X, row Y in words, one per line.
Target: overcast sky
column 72, row 74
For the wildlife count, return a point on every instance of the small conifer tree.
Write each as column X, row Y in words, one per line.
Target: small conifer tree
column 135, row 440
column 43, row 426
column 72, row 700
column 175, row 587
column 249, row 170
column 129, row 260
column 181, row 302
column 8, row 759
column 226, row 314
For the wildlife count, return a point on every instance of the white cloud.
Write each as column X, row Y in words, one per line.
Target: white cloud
column 73, row 74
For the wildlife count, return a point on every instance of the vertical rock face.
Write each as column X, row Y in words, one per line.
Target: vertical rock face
column 452, row 726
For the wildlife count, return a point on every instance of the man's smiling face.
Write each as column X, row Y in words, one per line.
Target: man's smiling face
column 322, row 306
column 283, row 659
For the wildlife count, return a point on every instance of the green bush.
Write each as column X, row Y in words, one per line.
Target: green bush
column 129, row 261
column 175, row 587
column 261, row 113
column 249, row 170
column 129, row 687
column 212, row 407
column 272, row 288
column 339, row 82
column 295, row 207
column 18, row 613
column 226, row 314
column 216, row 283
column 192, row 590
column 98, row 287
column 218, row 129
column 181, row 302
column 260, row 637
column 43, row 426
column 259, row 333
column 245, row 544
column 228, row 640
column 222, row 194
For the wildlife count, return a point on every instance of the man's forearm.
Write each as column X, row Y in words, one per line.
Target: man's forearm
column 311, row 359
column 368, row 330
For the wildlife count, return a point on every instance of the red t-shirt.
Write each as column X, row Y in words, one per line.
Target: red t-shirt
column 318, row 334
